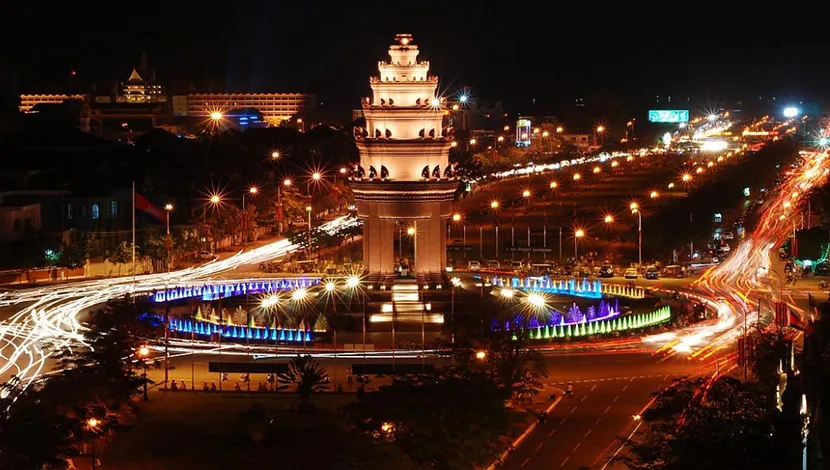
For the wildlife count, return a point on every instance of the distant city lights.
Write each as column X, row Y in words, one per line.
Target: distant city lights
column 791, row 112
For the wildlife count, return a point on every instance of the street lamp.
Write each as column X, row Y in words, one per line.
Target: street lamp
column 635, row 209
column 308, row 210
column 494, row 206
column 92, row 424
column 481, row 355
column 554, row 185
column 216, row 116
column 526, row 194
column 253, row 191
column 168, row 207
column 455, row 282
column 215, row 199
column 654, row 195
column 275, row 155
column 143, row 352
column 579, row 233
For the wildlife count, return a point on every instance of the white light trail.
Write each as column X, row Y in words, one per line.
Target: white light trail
column 48, row 323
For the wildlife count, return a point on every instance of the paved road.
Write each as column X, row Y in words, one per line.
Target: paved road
column 609, row 390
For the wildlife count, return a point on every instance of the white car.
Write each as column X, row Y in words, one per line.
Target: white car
column 631, row 273
column 475, row 266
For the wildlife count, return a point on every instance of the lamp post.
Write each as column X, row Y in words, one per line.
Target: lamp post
column 526, row 194
column 456, row 282
column 92, row 424
column 286, row 183
column 308, row 210
column 143, row 352
column 635, row 209
column 253, row 190
column 494, row 206
column 579, row 233
column 167, row 209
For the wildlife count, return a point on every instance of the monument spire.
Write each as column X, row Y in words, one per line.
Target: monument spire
column 404, row 176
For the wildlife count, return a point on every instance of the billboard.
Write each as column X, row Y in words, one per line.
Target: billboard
column 668, row 115
column 523, row 132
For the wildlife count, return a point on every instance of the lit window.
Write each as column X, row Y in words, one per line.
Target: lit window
column 69, row 211
column 95, row 211
column 114, row 208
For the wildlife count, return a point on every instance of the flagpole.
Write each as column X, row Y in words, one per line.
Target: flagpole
column 133, row 237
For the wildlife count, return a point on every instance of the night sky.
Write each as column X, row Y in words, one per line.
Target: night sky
column 516, row 52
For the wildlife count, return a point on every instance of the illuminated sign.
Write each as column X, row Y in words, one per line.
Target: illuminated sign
column 523, row 132
column 668, row 115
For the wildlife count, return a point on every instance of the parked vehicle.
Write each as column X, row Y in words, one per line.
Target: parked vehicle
column 631, row 273
column 474, row 266
column 652, row 273
column 606, row 270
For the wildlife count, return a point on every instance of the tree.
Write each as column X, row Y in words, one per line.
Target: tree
column 32, row 435
column 515, row 367
column 123, row 253
column 706, row 424
column 421, row 416
column 114, row 335
column 74, row 251
column 307, row 377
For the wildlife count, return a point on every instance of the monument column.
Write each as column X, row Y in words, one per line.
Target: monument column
column 404, row 173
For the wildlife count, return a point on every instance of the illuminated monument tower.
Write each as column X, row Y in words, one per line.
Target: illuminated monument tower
column 404, row 174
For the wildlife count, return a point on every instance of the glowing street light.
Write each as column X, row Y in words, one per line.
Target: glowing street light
column 215, row 199
column 600, row 129
column 456, row 217
column 635, row 209
column 577, row 177
column 686, row 177
column 316, row 176
column 410, row 231
column 597, row 170
column 275, row 155
column 506, row 293
column 453, row 144
column 299, row 294
column 609, row 219
column 92, row 423
column 537, row 300
column 473, row 141
column 216, row 116
column 671, row 185
column 494, row 204
column 143, row 352
column 560, row 129
column 615, row 164
column 500, row 139
column 526, row 193
column 579, row 233
column 286, row 182
column 343, row 170
column 481, row 355
column 554, row 185
column 352, row 282
column 654, row 195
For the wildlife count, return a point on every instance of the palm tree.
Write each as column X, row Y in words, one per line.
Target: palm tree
column 307, row 376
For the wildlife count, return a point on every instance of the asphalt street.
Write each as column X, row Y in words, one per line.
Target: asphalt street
column 583, row 431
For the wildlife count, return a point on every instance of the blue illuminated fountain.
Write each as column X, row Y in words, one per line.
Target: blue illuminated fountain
column 584, row 288
column 233, row 288
column 205, row 329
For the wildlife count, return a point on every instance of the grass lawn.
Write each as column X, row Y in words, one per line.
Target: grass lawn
column 203, row 431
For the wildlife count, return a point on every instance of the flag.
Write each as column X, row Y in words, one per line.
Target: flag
column 142, row 204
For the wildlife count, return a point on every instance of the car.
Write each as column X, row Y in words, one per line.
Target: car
column 493, row 264
column 606, row 271
column 631, row 273
column 652, row 273
column 475, row 266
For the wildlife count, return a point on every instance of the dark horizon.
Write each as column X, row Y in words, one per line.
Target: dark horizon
column 257, row 47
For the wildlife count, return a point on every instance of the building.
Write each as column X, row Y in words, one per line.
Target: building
column 19, row 221
column 27, row 102
column 404, row 177
column 137, row 90
column 275, row 107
